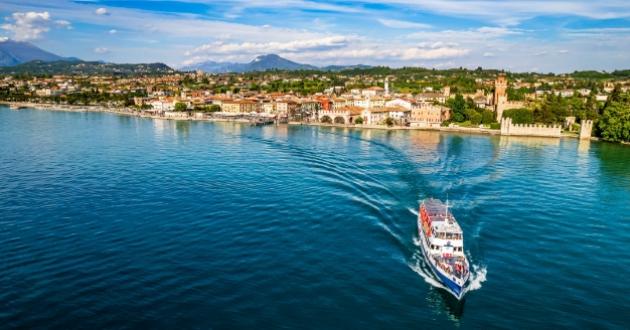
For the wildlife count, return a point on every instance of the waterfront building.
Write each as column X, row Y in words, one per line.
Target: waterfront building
column 343, row 115
column 239, row 106
column 429, row 115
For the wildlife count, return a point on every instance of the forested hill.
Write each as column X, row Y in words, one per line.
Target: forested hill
column 86, row 68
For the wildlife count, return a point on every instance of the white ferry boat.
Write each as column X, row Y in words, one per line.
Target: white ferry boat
column 442, row 244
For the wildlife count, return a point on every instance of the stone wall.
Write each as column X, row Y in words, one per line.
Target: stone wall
column 586, row 128
column 507, row 128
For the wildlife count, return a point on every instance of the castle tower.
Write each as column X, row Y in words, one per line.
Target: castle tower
column 387, row 86
column 586, row 128
column 500, row 95
column 506, row 124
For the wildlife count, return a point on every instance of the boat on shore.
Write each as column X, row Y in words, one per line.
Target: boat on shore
column 442, row 244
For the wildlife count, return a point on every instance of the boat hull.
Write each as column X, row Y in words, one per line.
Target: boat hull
column 451, row 286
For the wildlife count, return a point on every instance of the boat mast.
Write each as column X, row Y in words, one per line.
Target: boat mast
column 446, row 215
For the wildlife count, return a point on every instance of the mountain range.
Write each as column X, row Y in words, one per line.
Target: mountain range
column 17, row 56
column 17, row 52
column 78, row 67
column 262, row 63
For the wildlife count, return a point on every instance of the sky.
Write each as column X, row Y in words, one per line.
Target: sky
column 521, row 35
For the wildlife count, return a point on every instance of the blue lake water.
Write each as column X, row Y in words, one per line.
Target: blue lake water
column 109, row 221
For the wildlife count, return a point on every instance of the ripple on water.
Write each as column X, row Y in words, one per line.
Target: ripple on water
column 126, row 222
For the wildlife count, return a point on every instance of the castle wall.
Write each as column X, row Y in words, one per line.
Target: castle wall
column 507, row 128
column 586, row 128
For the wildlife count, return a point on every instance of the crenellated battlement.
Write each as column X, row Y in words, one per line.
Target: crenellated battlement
column 507, row 128
column 586, row 128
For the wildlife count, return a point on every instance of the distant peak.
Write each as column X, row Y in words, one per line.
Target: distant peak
column 267, row 56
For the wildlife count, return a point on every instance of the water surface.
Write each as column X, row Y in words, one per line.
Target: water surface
column 109, row 221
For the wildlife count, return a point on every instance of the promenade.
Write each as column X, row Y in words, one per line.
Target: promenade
column 200, row 116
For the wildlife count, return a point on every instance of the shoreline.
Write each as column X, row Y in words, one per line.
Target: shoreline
column 470, row 130
column 143, row 114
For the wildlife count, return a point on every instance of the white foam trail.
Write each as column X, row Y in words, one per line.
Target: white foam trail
column 425, row 275
column 477, row 276
column 412, row 210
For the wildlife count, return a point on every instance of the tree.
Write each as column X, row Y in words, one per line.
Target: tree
column 180, row 106
column 614, row 124
column 358, row 120
column 214, row 108
column 519, row 116
column 487, row 117
column 473, row 116
column 553, row 109
column 458, row 107
column 326, row 120
column 389, row 121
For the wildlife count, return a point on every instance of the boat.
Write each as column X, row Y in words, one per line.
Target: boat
column 442, row 244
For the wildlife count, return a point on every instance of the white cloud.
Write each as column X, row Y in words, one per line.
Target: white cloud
column 469, row 35
column 488, row 54
column 113, row 31
column 432, row 53
column 3, row 39
column 397, row 24
column 64, row 24
column 512, row 12
column 101, row 50
column 101, row 11
column 27, row 26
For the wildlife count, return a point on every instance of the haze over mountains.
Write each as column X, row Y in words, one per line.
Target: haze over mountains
column 16, row 52
column 261, row 63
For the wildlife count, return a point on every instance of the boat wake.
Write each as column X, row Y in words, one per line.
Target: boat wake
column 477, row 273
column 418, row 266
column 477, row 276
column 413, row 211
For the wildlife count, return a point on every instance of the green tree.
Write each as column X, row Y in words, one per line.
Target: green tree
column 358, row 120
column 614, row 124
column 458, row 107
column 520, row 116
column 214, row 108
column 180, row 106
column 473, row 116
column 389, row 122
column 487, row 117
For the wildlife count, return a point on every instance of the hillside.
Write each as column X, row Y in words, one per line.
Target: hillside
column 86, row 68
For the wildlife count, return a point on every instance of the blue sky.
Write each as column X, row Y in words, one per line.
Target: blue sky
column 523, row 35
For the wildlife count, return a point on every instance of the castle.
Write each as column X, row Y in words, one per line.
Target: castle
column 500, row 100
column 507, row 128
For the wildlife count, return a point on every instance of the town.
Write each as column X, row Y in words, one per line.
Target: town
column 470, row 100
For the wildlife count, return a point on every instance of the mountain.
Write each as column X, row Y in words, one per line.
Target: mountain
column 215, row 67
column 16, row 52
column 275, row 62
column 68, row 67
column 260, row 63
column 345, row 67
